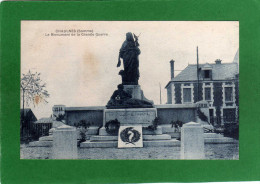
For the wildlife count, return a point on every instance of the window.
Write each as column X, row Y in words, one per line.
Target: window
column 207, row 93
column 186, row 95
column 206, row 73
column 228, row 94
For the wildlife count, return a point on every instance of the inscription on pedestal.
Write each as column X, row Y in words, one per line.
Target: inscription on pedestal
column 142, row 116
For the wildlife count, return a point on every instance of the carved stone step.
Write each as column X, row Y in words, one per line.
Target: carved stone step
column 113, row 144
column 145, row 137
column 224, row 140
column 158, row 131
column 213, row 135
column 46, row 138
column 40, row 144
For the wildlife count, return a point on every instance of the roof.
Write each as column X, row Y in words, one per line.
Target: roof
column 28, row 112
column 25, row 110
column 221, row 71
column 236, row 58
column 45, row 120
column 56, row 124
column 206, row 67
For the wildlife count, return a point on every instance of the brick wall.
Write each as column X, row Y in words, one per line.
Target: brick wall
column 177, row 93
column 218, row 99
column 195, row 93
column 218, row 94
column 169, row 94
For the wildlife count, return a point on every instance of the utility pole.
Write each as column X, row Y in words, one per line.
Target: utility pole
column 160, row 93
column 197, row 73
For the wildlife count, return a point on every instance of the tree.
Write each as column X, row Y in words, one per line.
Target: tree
column 60, row 117
column 33, row 90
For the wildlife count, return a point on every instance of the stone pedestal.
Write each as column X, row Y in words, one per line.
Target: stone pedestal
column 192, row 141
column 136, row 92
column 65, row 143
column 135, row 116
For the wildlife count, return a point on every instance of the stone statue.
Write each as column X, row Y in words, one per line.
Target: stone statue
column 129, row 93
column 122, row 99
column 129, row 52
column 120, row 95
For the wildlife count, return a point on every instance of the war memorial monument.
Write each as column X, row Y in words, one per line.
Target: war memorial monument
column 128, row 104
column 132, row 119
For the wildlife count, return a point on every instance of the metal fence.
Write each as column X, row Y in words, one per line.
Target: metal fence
column 32, row 131
column 221, row 120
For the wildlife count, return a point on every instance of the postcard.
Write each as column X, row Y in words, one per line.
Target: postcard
column 129, row 90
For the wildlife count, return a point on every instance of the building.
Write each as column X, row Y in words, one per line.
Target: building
column 26, row 124
column 58, row 110
column 217, row 83
column 42, row 126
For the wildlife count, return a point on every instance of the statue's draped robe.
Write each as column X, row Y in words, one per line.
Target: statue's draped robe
column 129, row 53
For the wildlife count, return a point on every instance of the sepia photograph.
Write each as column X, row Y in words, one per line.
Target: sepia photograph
column 129, row 90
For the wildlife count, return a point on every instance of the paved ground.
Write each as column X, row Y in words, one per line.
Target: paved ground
column 213, row 151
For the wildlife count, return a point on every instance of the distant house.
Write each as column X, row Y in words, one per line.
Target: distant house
column 27, row 122
column 42, row 126
column 218, row 84
column 58, row 110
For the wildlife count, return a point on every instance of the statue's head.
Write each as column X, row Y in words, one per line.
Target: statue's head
column 129, row 36
column 120, row 86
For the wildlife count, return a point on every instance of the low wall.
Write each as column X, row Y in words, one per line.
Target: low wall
column 90, row 114
column 166, row 113
column 172, row 112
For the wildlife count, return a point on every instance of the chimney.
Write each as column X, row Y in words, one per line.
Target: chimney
column 172, row 68
column 218, row 61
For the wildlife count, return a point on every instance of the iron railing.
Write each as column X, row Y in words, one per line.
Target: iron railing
column 220, row 120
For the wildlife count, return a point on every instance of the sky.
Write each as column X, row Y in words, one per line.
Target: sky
column 81, row 70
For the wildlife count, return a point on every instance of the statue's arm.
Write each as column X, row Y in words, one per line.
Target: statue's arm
column 138, row 51
column 122, row 49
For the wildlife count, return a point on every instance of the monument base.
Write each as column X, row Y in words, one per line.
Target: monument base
column 135, row 116
column 146, row 143
column 158, row 131
column 136, row 92
column 128, row 96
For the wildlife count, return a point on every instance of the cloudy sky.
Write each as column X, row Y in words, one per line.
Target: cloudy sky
column 81, row 70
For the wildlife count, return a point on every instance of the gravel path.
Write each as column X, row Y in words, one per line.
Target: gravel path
column 213, row 151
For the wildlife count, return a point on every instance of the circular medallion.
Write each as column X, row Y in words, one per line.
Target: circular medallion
column 130, row 135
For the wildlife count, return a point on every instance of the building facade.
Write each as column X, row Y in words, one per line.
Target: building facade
column 58, row 110
column 27, row 123
column 217, row 83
